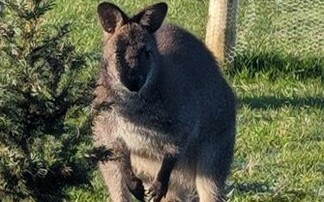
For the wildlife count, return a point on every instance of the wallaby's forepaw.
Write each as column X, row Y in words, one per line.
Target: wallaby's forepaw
column 157, row 191
column 135, row 186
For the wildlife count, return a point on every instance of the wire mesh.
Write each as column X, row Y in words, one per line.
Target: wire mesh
column 293, row 28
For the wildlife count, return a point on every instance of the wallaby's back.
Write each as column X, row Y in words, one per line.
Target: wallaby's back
column 193, row 76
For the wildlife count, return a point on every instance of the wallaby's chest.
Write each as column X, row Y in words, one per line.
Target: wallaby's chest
column 146, row 133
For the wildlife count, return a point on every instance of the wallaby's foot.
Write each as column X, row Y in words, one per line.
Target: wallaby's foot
column 135, row 186
column 157, row 191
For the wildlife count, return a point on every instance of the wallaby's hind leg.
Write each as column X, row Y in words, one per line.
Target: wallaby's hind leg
column 114, row 179
column 208, row 189
column 212, row 169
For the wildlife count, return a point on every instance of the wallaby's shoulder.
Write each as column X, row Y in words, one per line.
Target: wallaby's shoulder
column 171, row 36
column 169, row 31
column 168, row 36
column 178, row 44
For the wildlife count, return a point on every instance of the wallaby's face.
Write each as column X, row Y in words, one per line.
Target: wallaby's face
column 129, row 45
column 132, row 56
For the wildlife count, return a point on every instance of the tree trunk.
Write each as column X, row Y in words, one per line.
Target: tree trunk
column 220, row 33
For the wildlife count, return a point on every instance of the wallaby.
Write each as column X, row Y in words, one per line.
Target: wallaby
column 170, row 115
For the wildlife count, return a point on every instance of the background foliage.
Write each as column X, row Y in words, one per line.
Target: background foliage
column 44, row 100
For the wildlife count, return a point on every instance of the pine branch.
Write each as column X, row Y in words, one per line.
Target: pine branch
column 42, row 104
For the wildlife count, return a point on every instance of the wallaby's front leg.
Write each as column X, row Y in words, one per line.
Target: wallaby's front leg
column 159, row 188
column 133, row 183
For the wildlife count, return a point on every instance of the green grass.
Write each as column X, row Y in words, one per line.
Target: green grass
column 280, row 143
column 279, row 153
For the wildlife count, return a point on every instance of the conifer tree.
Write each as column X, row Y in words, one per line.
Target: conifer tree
column 44, row 99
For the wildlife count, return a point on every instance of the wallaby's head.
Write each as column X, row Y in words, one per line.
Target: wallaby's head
column 129, row 46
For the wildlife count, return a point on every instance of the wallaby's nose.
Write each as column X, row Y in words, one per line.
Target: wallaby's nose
column 130, row 78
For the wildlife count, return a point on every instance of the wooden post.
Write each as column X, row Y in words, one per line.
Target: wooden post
column 220, row 33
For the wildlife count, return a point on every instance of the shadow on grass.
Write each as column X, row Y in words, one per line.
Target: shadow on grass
column 272, row 102
column 279, row 64
column 269, row 191
column 253, row 187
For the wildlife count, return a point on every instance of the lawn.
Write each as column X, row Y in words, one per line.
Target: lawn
column 279, row 153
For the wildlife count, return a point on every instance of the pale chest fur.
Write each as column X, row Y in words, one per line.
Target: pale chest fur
column 141, row 138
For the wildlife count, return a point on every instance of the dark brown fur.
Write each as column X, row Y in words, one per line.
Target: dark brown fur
column 171, row 110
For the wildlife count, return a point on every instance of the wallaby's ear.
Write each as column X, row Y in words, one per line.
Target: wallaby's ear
column 152, row 17
column 111, row 16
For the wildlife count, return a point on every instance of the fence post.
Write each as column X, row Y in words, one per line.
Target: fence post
column 220, row 33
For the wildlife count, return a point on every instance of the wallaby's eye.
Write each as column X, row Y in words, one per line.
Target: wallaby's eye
column 118, row 54
column 110, row 30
